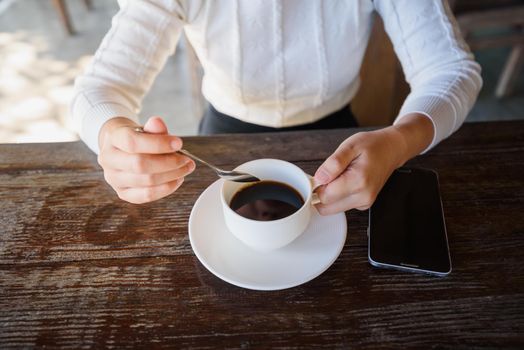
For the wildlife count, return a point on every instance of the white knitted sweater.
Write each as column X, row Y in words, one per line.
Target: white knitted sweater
column 278, row 63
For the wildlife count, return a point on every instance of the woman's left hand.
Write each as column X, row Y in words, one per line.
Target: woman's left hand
column 354, row 174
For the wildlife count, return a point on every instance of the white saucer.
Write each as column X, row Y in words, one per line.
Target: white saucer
column 231, row 260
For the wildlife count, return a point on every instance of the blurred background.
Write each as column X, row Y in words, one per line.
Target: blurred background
column 45, row 44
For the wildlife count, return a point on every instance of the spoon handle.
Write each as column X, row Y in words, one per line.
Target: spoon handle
column 186, row 153
column 192, row 156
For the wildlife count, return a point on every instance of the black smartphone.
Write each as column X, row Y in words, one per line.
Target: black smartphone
column 407, row 230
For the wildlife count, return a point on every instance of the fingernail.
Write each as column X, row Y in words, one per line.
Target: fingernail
column 322, row 176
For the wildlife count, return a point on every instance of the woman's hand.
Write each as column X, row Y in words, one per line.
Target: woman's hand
column 142, row 167
column 355, row 173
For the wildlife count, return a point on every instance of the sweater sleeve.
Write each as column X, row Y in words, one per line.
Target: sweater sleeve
column 441, row 71
column 143, row 34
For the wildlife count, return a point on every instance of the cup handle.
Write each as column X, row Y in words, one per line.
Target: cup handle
column 315, row 199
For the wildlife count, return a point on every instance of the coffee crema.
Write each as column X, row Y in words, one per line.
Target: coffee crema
column 266, row 201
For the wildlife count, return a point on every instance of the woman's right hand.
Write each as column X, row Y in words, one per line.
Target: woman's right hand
column 142, row 167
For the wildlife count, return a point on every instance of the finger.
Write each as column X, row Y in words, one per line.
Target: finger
column 346, row 184
column 139, row 195
column 155, row 125
column 129, row 140
column 122, row 179
column 358, row 201
column 141, row 163
column 335, row 164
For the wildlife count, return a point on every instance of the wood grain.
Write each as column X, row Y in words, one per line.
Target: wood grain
column 80, row 268
column 123, row 302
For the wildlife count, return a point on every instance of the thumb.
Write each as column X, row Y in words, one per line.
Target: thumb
column 155, row 125
column 335, row 164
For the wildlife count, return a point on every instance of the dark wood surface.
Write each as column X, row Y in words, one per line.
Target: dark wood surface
column 80, row 268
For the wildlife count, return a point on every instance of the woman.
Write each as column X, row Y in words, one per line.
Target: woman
column 274, row 64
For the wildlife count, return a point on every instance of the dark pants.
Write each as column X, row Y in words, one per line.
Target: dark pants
column 215, row 122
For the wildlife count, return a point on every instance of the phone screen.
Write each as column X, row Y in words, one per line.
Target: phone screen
column 406, row 224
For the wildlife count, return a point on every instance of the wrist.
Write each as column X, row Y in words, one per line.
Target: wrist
column 398, row 146
column 415, row 132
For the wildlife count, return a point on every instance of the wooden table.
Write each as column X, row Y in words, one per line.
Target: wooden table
column 80, row 268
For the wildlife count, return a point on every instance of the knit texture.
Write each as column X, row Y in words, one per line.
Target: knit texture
column 278, row 63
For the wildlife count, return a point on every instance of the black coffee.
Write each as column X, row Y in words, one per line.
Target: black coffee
column 266, row 201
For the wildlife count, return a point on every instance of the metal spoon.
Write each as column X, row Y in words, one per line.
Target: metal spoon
column 230, row 175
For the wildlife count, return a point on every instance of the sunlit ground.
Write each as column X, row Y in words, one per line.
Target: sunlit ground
column 35, row 90
column 39, row 62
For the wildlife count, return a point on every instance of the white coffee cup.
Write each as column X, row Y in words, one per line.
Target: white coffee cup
column 270, row 235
